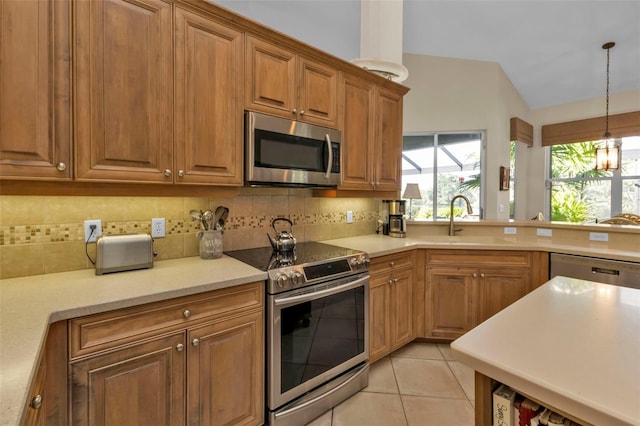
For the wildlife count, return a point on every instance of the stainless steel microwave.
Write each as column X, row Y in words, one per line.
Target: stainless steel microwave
column 283, row 152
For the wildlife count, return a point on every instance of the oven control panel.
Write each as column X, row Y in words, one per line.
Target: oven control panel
column 296, row 276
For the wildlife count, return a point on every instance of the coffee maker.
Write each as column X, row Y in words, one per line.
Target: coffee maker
column 393, row 222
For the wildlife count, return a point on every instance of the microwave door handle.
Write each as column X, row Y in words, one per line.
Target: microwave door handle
column 330, row 162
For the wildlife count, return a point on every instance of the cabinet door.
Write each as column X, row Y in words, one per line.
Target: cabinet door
column 209, row 86
column 137, row 385
column 388, row 141
column 379, row 318
column 271, row 78
column 501, row 287
column 357, row 134
column 123, row 90
column 401, row 308
column 318, row 93
column 35, row 138
column 449, row 311
column 226, row 372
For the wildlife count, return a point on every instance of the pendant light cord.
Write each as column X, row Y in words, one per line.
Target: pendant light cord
column 608, row 47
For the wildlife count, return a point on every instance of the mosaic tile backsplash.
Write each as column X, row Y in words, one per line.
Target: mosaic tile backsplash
column 40, row 235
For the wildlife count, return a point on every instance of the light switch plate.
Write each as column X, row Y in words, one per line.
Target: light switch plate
column 349, row 216
column 544, row 232
column 598, row 236
column 510, row 230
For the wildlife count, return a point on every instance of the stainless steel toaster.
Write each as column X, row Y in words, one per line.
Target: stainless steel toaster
column 124, row 253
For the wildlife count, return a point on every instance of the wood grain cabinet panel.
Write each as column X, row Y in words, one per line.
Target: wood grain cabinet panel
column 464, row 288
column 209, row 103
column 35, row 115
column 391, row 312
column 226, row 372
column 372, row 138
column 283, row 83
column 142, row 384
column 123, row 90
column 357, row 133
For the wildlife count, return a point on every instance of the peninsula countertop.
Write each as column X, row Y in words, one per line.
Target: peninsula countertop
column 572, row 344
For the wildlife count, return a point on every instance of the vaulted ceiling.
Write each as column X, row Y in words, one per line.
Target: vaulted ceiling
column 550, row 49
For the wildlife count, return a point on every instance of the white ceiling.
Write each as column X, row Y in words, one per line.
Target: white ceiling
column 550, row 49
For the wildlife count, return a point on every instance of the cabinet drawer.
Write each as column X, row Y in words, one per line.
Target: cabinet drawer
column 480, row 258
column 391, row 262
column 103, row 331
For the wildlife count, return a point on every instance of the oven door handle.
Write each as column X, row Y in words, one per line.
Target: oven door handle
column 306, row 297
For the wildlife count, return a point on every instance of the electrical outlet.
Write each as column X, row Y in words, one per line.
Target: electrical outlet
column 508, row 230
column 90, row 237
column 544, row 232
column 349, row 216
column 598, row 236
column 157, row 227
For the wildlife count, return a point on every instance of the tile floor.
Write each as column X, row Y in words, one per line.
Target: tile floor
column 417, row 385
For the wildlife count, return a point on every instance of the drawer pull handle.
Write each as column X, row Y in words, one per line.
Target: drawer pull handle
column 36, row 402
column 186, row 313
column 179, row 347
column 195, row 342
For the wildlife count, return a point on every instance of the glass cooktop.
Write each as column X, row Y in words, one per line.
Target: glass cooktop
column 265, row 259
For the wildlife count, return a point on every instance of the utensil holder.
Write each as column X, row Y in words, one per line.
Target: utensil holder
column 210, row 244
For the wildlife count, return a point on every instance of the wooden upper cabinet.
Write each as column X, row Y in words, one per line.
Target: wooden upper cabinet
column 372, row 136
column 388, row 141
column 35, row 120
column 123, row 90
column 357, row 133
column 283, row 83
column 209, row 102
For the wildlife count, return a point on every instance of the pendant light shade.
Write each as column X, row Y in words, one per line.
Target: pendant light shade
column 608, row 153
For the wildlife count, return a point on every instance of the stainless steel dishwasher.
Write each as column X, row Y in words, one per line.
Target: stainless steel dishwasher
column 606, row 271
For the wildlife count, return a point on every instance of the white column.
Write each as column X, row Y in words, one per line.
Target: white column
column 381, row 38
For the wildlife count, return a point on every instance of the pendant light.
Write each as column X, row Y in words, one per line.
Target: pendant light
column 608, row 153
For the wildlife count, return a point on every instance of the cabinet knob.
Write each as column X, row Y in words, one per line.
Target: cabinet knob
column 392, row 264
column 61, row 167
column 181, row 173
column 475, row 275
column 36, row 402
column 179, row 347
column 395, row 281
column 294, row 111
column 167, row 172
column 482, row 275
column 186, row 313
column 302, row 112
column 195, row 342
column 390, row 282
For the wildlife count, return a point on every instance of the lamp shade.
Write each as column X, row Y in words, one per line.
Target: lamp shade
column 412, row 191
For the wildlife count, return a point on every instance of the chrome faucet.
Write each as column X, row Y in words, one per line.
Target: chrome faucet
column 452, row 230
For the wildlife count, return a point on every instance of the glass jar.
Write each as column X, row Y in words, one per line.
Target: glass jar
column 210, row 244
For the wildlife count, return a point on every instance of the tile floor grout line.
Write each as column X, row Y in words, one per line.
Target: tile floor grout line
column 395, row 377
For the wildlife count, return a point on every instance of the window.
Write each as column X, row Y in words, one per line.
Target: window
column 443, row 165
column 579, row 193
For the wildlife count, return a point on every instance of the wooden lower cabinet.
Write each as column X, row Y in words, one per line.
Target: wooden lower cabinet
column 137, row 385
column 464, row 288
column 390, row 304
column 226, row 372
column 196, row 360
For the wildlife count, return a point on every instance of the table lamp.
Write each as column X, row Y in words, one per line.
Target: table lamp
column 412, row 192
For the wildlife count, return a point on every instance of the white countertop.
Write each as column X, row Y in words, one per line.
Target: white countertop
column 28, row 305
column 571, row 343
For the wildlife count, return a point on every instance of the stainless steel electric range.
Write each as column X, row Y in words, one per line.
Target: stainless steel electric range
column 317, row 327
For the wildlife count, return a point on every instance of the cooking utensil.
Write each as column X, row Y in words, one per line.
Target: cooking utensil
column 208, row 219
column 284, row 240
column 223, row 218
column 197, row 216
